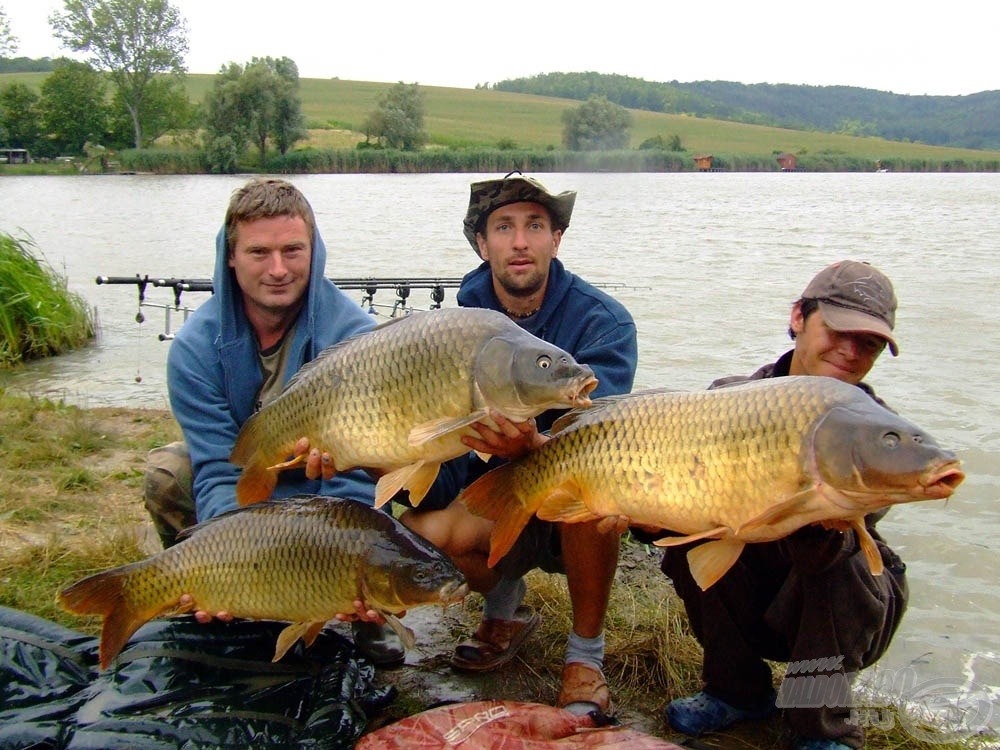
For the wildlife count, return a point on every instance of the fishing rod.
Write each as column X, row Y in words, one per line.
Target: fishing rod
column 369, row 285
column 402, row 286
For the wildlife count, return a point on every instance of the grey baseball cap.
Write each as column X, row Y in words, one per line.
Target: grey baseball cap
column 855, row 296
column 487, row 196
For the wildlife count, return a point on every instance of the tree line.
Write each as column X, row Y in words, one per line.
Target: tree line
column 960, row 121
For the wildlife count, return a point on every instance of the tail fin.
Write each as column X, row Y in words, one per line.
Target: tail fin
column 247, row 441
column 255, row 484
column 494, row 496
column 104, row 594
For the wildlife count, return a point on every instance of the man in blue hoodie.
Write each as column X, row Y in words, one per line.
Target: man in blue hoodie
column 272, row 311
column 515, row 226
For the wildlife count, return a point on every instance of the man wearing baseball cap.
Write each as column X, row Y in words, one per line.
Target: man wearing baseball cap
column 809, row 599
column 515, row 226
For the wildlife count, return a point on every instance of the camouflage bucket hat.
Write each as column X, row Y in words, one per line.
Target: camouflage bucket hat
column 856, row 296
column 489, row 195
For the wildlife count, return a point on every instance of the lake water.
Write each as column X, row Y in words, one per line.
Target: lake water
column 708, row 264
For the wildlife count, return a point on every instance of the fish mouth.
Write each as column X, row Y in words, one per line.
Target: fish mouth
column 941, row 481
column 580, row 395
column 454, row 592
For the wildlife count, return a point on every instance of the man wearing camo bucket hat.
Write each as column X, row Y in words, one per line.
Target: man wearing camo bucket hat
column 516, row 225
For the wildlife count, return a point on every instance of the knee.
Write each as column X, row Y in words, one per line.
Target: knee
column 454, row 530
column 429, row 525
column 167, row 490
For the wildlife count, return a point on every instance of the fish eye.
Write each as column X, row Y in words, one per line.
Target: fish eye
column 891, row 439
column 544, row 361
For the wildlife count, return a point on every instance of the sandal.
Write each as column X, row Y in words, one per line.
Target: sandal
column 495, row 642
column 584, row 690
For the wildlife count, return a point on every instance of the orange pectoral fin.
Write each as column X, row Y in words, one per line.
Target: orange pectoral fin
column 710, row 561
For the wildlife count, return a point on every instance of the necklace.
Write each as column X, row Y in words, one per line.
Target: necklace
column 518, row 315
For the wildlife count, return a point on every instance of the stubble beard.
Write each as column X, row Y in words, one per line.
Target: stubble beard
column 524, row 287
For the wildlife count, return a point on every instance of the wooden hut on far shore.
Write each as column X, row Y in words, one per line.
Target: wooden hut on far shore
column 703, row 162
column 787, row 162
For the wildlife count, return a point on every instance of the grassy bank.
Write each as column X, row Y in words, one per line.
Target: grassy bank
column 39, row 315
column 71, row 505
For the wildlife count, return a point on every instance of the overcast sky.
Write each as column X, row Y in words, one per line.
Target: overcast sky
column 889, row 45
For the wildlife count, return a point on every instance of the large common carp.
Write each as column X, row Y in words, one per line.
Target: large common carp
column 747, row 463
column 399, row 398
column 301, row 560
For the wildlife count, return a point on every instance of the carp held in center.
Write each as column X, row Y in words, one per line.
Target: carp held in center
column 399, row 399
column 302, row 560
column 747, row 463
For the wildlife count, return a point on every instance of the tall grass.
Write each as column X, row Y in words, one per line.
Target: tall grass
column 39, row 315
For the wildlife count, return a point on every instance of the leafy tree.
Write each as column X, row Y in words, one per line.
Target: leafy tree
column 398, row 119
column 289, row 122
column 132, row 40
column 72, row 106
column 222, row 155
column 167, row 108
column 663, row 144
column 258, row 104
column 596, row 125
column 222, row 109
column 8, row 42
column 270, row 88
column 20, row 121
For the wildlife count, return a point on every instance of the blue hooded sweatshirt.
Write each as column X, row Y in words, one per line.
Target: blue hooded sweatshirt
column 575, row 316
column 214, row 375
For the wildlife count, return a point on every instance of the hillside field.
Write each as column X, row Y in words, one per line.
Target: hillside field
column 335, row 112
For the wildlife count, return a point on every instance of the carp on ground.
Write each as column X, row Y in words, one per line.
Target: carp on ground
column 747, row 463
column 399, row 399
column 302, row 560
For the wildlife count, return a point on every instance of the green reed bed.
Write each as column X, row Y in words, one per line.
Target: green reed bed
column 39, row 315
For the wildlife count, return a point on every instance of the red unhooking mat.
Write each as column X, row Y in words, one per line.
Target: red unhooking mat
column 504, row 725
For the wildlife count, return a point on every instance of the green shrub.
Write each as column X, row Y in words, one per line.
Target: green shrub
column 39, row 316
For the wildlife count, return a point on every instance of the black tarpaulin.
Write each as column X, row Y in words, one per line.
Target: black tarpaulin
column 181, row 684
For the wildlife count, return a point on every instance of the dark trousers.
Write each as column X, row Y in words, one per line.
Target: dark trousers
column 766, row 608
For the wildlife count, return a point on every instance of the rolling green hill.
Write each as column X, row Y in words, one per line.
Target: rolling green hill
column 961, row 121
column 465, row 118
